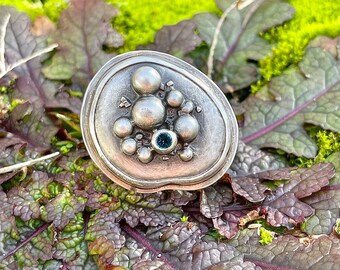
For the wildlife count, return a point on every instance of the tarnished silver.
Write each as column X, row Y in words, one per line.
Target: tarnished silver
column 152, row 122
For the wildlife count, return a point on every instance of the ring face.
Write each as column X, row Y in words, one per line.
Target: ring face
column 152, row 122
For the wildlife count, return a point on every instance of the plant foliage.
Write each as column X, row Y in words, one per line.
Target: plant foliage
column 64, row 213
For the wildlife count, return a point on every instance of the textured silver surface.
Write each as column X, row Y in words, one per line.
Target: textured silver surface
column 193, row 164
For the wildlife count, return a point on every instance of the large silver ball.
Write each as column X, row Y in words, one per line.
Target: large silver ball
column 146, row 80
column 186, row 154
column 186, row 127
column 174, row 98
column 129, row 146
column 145, row 154
column 122, row 127
column 164, row 141
column 148, row 112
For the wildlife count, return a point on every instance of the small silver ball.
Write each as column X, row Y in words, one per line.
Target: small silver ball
column 129, row 146
column 164, row 141
column 148, row 112
column 188, row 107
column 146, row 80
column 174, row 98
column 122, row 127
column 186, row 127
column 186, row 154
column 145, row 154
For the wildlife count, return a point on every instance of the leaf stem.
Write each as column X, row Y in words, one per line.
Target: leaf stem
column 28, row 58
column 26, row 163
column 38, row 231
column 145, row 242
column 2, row 43
column 215, row 38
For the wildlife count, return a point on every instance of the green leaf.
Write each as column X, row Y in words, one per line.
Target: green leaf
column 276, row 115
column 70, row 245
column 84, row 28
column 104, row 236
column 24, row 199
column 239, row 41
column 61, row 209
column 38, row 249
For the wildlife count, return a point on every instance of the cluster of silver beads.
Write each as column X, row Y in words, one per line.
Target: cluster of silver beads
column 160, row 121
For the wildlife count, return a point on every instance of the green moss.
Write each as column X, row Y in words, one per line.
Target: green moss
column 328, row 142
column 35, row 8
column 337, row 226
column 266, row 236
column 138, row 21
column 184, row 218
column 312, row 18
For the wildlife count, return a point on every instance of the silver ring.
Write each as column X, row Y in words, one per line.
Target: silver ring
column 152, row 122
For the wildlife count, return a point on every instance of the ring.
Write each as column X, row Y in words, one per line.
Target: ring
column 153, row 122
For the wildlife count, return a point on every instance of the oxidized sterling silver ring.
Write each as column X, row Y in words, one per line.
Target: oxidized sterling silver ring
column 152, row 122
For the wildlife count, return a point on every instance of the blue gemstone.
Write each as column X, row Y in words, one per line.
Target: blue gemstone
column 164, row 140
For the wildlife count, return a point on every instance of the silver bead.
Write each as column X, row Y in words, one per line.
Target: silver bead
column 122, row 127
column 145, row 154
column 148, row 112
column 188, row 107
column 174, row 98
column 129, row 146
column 146, row 80
column 186, row 127
column 186, row 154
column 164, row 141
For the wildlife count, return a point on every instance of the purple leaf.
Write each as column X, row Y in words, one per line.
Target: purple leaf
column 83, row 29
column 143, row 264
column 30, row 85
column 176, row 241
column 289, row 252
column 8, row 230
column 250, row 159
column 239, row 41
column 326, row 203
column 307, row 95
column 182, row 197
column 213, row 198
column 212, row 255
column 283, row 206
column 228, row 224
column 178, row 40
column 150, row 210
column 29, row 122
